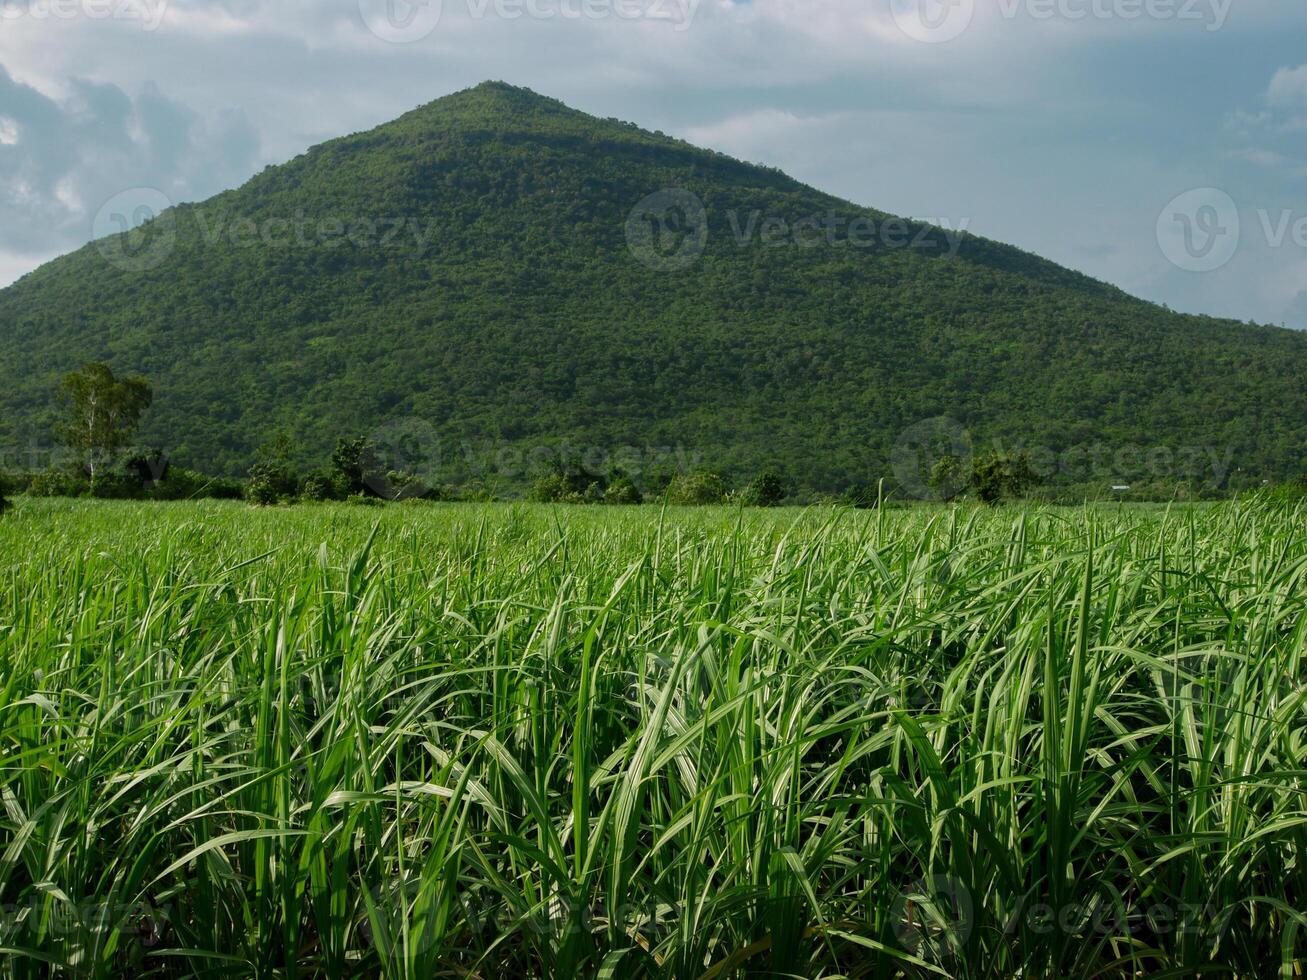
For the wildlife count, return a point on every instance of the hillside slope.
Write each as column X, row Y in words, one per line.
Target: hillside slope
column 500, row 302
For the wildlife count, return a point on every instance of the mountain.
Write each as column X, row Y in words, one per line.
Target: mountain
column 514, row 293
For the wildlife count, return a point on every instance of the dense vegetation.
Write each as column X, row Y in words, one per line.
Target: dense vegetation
column 524, row 324
column 498, row 741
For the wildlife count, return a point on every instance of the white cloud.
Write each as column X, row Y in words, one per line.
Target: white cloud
column 1288, row 87
column 61, row 158
column 1260, row 157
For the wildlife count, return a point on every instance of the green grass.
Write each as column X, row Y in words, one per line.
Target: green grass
column 505, row 740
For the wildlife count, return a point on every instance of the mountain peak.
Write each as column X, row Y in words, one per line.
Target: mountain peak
column 499, row 92
column 491, row 100
column 504, row 88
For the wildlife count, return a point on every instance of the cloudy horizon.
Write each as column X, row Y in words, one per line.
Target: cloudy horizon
column 1021, row 120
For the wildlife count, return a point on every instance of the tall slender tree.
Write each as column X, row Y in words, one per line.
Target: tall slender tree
column 103, row 413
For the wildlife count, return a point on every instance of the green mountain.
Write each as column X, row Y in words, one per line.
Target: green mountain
column 506, row 299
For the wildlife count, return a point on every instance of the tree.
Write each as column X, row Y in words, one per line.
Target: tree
column 696, row 490
column 566, row 482
column 622, row 491
column 356, row 470
column 1000, row 475
column 103, row 412
column 553, row 488
column 768, row 490
column 949, row 478
column 318, row 487
column 992, row 477
column 274, row 476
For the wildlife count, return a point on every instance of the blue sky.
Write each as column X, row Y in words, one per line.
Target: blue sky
column 1158, row 144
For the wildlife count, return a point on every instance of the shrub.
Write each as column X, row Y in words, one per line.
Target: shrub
column 56, row 482
column 622, row 492
column 999, row 475
column 553, row 488
column 137, row 474
column 564, row 483
column 268, row 485
column 767, row 490
column 407, row 486
column 133, row 474
column 274, row 476
column 472, row 493
column 992, row 478
column 11, row 483
column 318, row 487
column 861, row 497
column 183, row 484
column 696, row 490
column 1289, row 492
column 950, row 477
column 354, row 468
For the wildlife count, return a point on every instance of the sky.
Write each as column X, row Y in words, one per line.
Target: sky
column 1160, row 145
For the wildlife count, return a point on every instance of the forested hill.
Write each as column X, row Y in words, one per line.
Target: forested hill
column 477, row 266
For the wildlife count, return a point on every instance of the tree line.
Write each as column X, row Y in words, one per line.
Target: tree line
column 102, row 413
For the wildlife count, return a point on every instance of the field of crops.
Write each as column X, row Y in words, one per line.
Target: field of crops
column 504, row 740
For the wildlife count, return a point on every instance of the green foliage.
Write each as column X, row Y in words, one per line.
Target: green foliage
column 57, row 482
column 992, row 477
column 861, row 497
column 1290, row 492
column 810, row 360
column 130, row 474
column 475, row 493
column 403, row 486
column 274, row 477
column 354, row 468
column 1001, row 476
column 551, row 488
column 950, row 477
column 696, row 489
column 184, row 484
column 766, row 490
column 319, row 487
column 134, row 474
column 622, row 492
column 564, row 482
column 263, row 487
column 520, row 741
